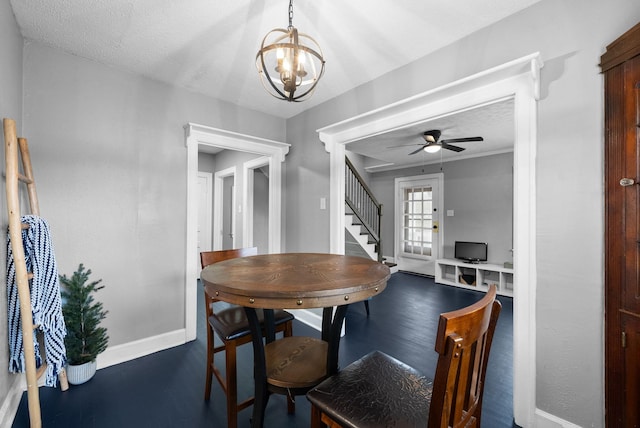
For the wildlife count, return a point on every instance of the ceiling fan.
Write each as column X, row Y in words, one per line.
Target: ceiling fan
column 433, row 143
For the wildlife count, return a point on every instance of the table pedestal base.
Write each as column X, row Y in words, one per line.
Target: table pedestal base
column 292, row 365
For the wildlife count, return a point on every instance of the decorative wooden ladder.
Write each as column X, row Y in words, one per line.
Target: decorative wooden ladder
column 13, row 178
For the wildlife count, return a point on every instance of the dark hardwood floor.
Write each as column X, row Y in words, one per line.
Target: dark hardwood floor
column 166, row 389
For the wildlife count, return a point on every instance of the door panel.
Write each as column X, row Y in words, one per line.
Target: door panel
column 622, row 239
column 631, row 368
column 631, row 290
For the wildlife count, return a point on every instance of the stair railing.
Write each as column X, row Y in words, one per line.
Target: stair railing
column 363, row 205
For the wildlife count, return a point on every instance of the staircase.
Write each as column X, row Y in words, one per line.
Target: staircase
column 363, row 218
column 359, row 243
column 356, row 242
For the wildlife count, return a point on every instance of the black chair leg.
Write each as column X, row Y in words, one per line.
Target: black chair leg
column 366, row 306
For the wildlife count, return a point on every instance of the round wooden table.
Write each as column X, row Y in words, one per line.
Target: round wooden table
column 294, row 281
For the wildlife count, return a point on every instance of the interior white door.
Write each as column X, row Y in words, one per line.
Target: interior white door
column 418, row 237
column 205, row 186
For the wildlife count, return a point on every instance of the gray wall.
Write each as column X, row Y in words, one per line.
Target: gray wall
column 571, row 35
column 10, row 107
column 479, row 190
column 109, row 154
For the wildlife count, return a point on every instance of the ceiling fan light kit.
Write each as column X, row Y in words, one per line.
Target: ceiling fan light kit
column 432, row 148
column 289, row 63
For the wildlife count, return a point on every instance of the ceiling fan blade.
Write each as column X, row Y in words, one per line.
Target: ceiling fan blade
column 453, row 148
column 463, row 140
column 405, row 145
column 417, row 151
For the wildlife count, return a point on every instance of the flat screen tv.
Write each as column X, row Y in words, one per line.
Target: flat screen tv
column 473, row 252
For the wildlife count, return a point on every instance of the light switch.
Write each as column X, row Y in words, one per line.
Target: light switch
column 449, row 213
column 323, row 203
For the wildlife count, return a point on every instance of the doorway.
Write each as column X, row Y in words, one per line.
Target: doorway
column 418, row 241
column 256, row 182
column 204, row 136
column 519, row 80
column 224, row 209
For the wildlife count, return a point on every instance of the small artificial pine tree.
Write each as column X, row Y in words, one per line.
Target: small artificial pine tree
column 84, row 340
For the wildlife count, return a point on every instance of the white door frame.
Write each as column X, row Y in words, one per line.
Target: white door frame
column 197, row 135
column 219, row 205
column 248, row 170
column 418, row 264
column 518, row 80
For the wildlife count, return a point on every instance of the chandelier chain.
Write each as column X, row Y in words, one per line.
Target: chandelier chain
column 290, row 13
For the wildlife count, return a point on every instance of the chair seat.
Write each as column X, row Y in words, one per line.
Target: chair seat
column 296, row 362
column 232, row 323
column 352, row 397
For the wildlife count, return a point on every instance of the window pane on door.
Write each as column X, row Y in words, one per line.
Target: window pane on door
column 417, row 221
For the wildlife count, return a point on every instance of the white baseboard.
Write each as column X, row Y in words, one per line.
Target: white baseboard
column 139, row 348
column 311, row 318
column 308, row 317
column 547, row 420
column 10, row 404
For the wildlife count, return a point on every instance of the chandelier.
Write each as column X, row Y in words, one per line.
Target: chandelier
column 290, row 64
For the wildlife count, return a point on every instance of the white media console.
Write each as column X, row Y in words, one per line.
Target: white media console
column 474, row 276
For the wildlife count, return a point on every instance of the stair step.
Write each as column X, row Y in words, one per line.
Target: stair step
column 363, row 239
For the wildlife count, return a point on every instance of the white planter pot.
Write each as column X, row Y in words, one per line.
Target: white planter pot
column 80, row 374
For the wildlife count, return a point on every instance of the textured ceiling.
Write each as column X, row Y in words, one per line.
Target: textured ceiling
column 209, row 46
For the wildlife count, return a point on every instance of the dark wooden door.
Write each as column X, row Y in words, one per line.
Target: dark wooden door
column 621, row 67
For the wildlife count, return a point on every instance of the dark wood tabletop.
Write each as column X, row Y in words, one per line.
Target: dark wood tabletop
column 295, row 280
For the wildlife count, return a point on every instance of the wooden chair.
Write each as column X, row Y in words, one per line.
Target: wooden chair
column 232, row 327
column 380, row 391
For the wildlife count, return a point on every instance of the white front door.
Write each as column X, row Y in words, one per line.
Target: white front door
column 419, row 204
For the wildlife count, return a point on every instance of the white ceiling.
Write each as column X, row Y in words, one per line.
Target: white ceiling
column 209, row 46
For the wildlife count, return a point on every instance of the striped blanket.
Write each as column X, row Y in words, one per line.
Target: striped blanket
column 45, row 301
